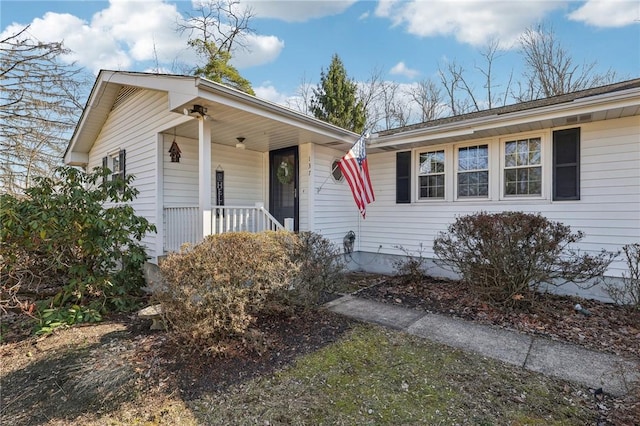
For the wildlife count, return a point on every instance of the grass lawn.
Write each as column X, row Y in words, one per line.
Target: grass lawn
column 381, row 377
column 89, row 375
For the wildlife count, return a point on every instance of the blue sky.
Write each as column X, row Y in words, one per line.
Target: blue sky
column 406, row 41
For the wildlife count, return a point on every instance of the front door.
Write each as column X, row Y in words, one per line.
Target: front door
column 283, row 185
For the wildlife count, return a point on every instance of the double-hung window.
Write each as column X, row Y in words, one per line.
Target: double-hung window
column 116, row 162
column 431, row 175
column 473, row 171
column 523, row 167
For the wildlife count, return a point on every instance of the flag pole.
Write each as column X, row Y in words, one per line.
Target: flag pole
column 328, row 176
column 365, row 134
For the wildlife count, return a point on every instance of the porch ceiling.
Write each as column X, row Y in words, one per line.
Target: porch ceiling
column 260, row 133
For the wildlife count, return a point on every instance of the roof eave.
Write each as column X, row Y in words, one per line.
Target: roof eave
column 630, row 97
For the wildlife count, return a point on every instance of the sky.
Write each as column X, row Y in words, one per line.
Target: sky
column 402, row 41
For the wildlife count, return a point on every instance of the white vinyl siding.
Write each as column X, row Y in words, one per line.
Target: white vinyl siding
column 243, row 174
column 335, row 212
column 132, row 126
column 306, row 215
column 608, row 211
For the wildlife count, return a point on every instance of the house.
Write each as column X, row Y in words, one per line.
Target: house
column 210, row 159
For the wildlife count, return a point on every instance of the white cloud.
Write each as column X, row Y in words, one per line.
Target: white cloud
column 269, row 92
column 299, row 10
column 401, row 69
column 608, row 13
column 473, row 22
column 131, row 34
column 260, row 50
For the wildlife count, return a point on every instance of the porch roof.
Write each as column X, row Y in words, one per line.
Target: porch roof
column 264, row 125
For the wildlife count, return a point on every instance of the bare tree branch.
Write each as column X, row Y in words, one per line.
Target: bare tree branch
column 550, row 68
column 39, row 106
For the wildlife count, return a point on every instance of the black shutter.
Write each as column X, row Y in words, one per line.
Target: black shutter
column 403, row 177
column 566, row 164
column 105, row 165
column 122, row 157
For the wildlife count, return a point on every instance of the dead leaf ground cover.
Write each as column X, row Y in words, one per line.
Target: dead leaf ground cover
column 314, row 368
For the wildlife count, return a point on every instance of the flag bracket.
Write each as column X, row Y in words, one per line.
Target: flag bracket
column 318, row 189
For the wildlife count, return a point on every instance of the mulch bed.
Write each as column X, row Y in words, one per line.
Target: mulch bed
column 280, row 340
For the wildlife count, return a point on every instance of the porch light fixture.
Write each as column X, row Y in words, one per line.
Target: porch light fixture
column 197, row 109
column 240, row 144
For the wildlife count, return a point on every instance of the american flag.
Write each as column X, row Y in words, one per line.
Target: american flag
column 356, row 170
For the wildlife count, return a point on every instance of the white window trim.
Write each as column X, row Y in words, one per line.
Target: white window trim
column 490, row 163
column 331, row 171
column 112, row 155
column 545, row 163
column 415, row 179
column 419, row 175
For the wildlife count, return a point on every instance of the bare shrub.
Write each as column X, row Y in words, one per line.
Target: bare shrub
column 214, row 291
column 320, row 270
column 629, row 292
column 505, row 257
column 411, row 267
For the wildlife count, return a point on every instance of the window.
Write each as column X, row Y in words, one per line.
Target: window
column 522, row 167
column 473, row 171
column 431, row 175
column 116, row 163
column 566, row 164
column 336, row 171
column 403, row 177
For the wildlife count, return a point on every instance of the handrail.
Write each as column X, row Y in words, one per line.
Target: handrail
column 182, row 223
column 278, row 225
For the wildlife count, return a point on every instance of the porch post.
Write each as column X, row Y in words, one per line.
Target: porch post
column 204, row 175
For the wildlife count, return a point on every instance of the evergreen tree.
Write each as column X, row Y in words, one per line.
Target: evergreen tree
column 335, row 99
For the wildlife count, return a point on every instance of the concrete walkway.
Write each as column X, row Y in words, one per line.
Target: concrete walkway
column 593, row 369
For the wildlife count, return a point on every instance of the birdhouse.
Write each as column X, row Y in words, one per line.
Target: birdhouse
column 174, row 151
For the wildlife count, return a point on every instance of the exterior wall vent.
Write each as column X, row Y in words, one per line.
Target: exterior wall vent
column 578, row 119
column 125, row 93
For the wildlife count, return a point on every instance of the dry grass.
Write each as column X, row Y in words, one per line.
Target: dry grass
column 381, row 377
column 98, row 375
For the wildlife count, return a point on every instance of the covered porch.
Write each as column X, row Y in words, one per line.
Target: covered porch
column 231, row 164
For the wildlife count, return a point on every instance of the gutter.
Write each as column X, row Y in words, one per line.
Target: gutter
column 469, row 126
column 274, row 108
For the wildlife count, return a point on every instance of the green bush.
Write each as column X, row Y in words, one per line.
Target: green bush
column 213, row 292
column 71, row 246
column 628, row 292
column 505, row 257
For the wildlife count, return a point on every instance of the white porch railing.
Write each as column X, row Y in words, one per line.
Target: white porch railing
column 183, row 224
